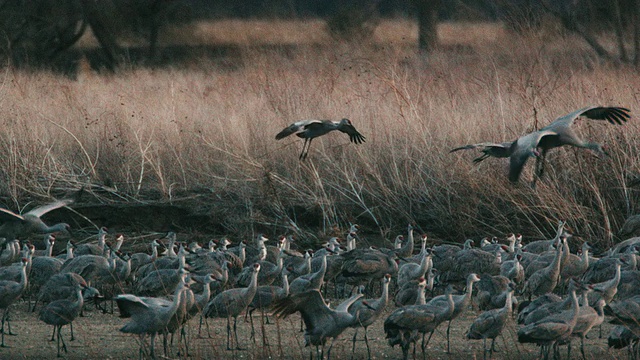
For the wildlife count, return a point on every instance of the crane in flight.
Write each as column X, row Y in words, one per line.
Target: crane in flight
column 311, row 129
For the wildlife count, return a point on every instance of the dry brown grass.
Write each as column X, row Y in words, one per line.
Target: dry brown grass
column 168, row 132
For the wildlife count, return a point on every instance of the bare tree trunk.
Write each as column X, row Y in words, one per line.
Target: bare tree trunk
column 617, row 21
column 427, row 23
column 101, row 31
column 636, row 32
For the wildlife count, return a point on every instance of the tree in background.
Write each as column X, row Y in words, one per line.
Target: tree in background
column 427, row 12
column 621, row 18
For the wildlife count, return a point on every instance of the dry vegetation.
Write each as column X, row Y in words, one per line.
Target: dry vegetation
column 206, row 133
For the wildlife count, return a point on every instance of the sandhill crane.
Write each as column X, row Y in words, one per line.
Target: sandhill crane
column 266, row 296
column 321, row 322
column 90, row 267
column 546, row 279
column 402, row 326
column 412, row 291
column 49, row 241
column 630, row 228
column 492, row 291
column 545, row 309
column 624, row 246
column 62, row 312
column 472, row 260
column 10, row 292
column 527, row 307
column 540, row 246
column 629, row 284
column 311, row 129
column 14, row 271
column 268, row 272
column 259, row 253
column 588, row 318
column 16, row 226
column 490, row 324
column 406, row 249
column 513, row 269
column 368, row 311
column 312, row 281
column 605, row 268
column 560, row 133
column 443, row 255
column 140, row 259
column 488, row 149
column 59, row 286
column 94, row 249
column 576, row 265
column 552, row 329
column 411, row 271
column 608, row 289
column 148, row 315
column 362, row 265
column 461, row 303
column 231, row 303
column 68, row 254
column 42, row 269
column 423, row 250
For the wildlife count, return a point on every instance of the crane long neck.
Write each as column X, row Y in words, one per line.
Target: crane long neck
column 285, row 284
column 23, row 277
column 79, row 297
column 508, row 304
column 420, row 299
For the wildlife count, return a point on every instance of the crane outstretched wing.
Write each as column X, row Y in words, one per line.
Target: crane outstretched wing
column 296, row 127
column 354, row 135
column 614, row 115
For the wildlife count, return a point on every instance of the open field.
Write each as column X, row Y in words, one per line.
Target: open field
column 97, row 336
column 152, row 146
column 202, row 137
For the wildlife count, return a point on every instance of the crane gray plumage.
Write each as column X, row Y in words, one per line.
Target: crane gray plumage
column 10, row 292
column 544, row 280
column 231, row 303
column 560, row 133
column 411, row 292
column 412, row 271
column 311, row 129
column 148, row 315
column 403, row 325
column 94, row 249
column 368, row 311
column 488, row 149
column 59, row 286
column 16, row 226
column 266, row 296
column 406, row 249
column 461, row 303
column 552, row 329
column 321, row 322
column 491, row 323
column 588, row 318
column 492, row 291
column 62, row 312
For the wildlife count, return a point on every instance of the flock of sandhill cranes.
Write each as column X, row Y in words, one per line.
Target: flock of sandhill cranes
column 534, row 144
column 218, row 281
column 560, row 296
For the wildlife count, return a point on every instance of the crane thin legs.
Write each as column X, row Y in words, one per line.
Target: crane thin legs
column 235, row 333
column 305, row 148
column 4, row 318
column 228, row 333
column 61, row 340
column 200, row 327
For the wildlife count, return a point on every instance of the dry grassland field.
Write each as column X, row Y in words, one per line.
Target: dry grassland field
column 201, row 137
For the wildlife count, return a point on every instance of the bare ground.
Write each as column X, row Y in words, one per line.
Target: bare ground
column 97, row 337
